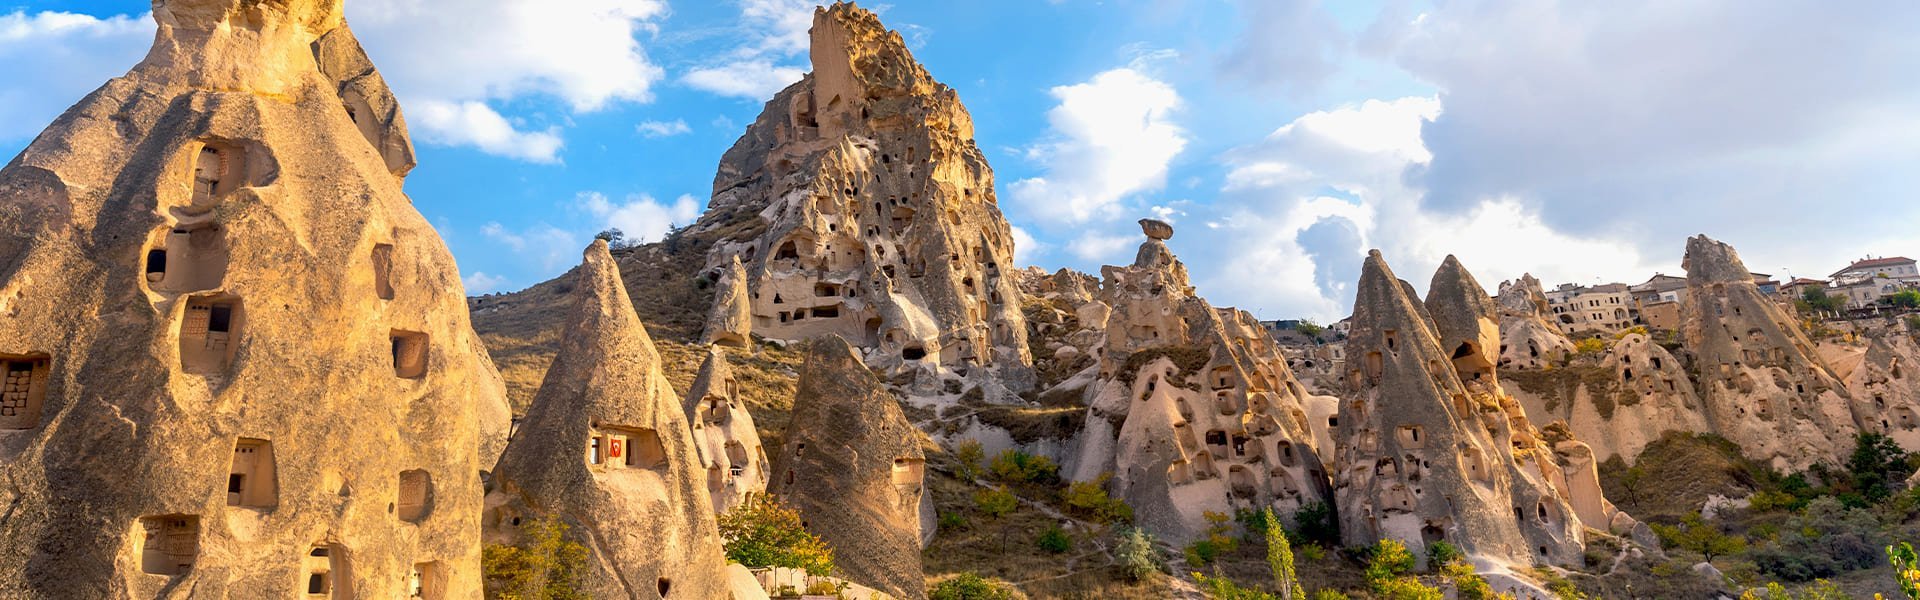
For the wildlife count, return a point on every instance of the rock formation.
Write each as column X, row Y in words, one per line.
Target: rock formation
column 862, row 208
column 1429, row 447
column 1191, row 408
column 723, row 432
column 853, row 468
column 238, row 360
column 606, row 449
column 1528, row 337
column 1628, row 398
column 1880, row 380
column 731, row 320
column 1762, row 383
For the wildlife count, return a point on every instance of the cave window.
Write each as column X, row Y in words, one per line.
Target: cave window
column 664, row 585
column 382, row 271
column 788, row 250
column 22, row 391
column 777, row 299
column 825, row 289
column 1465, row 350
column 416, row 495
column 251, row 481
column 785, row 316
column 324, row 565
column 826, row 312
column 1216, row 438
column 170, row 544
column 156, row 263
column 208, row 333
column 409, row 353
column 632, row 447
column 1392, row 340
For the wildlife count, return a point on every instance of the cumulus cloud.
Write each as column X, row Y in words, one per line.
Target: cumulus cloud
column 1109, row 138
column 657, row 129
column 640, row 216
column 55, row 58
column 1290, row 45
column 493, row 53
column 479, row 282
column 540, row 247
column 475, row 124
column 769, row 56
column 1026, row 248
column 1779, row 124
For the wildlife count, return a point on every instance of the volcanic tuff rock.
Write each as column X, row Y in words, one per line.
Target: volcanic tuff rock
column 731, row 320
column 1430, row 451
column 723, row 432
column 862, row 208
column 853, row 468
column 1528, row 337
column 1191, row 408
column 1633, row 395
column 247, row 368
column 606, row 448
column 1762, row 383
column 1881, row 380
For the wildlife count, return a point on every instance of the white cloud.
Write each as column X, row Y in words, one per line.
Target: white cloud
column 640, row 217
column 655, row 129
column 774, row 36
column 1104, row 247
column 479, row 282
column 1111, row 137
column 755, row 79
column 54, row 58
column 1026, row 248
column 493, row 53
column 544, row 248
column 475, row 124
column 1291, row 45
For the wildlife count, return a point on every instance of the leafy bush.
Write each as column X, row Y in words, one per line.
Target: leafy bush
column 1875, row 465
column 1820, row 590
column 1318, row 523
column 1441, row 552
column 968, row 586
column 969, row 455
column 1217, row 542
column 1089, row 500
column 546, row 566
column 1904, row 299
column 1468, row 584
column 952, row 520
column 1135, row 554
column 1015, row 466
column 1330, row 595
column 762, row 533
column 1221, row 588
column 1054, row 540
column 1826, row 539
column 1906, row 569
column 1590, row 347
column 1697, row 535
column 823, row 588
column 1387, row 574
column 995, row 503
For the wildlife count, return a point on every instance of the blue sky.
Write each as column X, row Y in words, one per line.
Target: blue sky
column 1284, row 138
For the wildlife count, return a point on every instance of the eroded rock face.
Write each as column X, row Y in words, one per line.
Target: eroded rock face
column 736, row 465
column 1528, row 337
column 862, row 208
column 1636, row 393
column 247, row 365
column 1191, row 408
column 1764, row 386
column 1430, row 448
column 606, row 448
column 731, row 320
column 853, row 468
column 1882, row 381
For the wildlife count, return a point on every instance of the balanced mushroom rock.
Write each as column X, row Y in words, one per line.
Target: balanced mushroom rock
column 247, row 365
column 605, row 448
column 861, row 207
column 730, row 322
column 853, row 468
column 1763, row 385
column 1191, row 408
column 1424, row 457
column 724, row 434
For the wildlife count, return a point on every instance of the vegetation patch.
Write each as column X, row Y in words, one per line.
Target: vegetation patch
column 1186, row 360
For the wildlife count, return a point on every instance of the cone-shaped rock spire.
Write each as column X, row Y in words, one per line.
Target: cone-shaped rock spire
column 606, row 448
column 723, row 430
column 852, row 466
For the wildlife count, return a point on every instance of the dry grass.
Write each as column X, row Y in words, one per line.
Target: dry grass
column 1680, row 471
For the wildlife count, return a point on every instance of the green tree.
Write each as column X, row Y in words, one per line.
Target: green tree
column 1697, row 535
column 762, row 533
column 969, row 455
column 546, row 566
column 1904, row 299
column 1054, row 540
column 1016, row 466
column 1280, row 559
column 1816, row 299
column 1629, row 480
column 1906, row 569
column 1309, row 328
column 1876, row 463
column 1387, row 574
column 1135, row 554
column 1089, row 499
column 968, row 586
column 995, row 502
column 1318, row 523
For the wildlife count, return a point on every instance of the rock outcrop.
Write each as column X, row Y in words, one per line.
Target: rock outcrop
column 853, row 468
column 238, row 360
column 1624, row 400
column 1763, row 385
column 1429, row 447
column 1191, row 408
column 606, row 449
column 730, row 322
column 723, row 431
column 1528, row 337
column 862, row 208
column 1880, row 380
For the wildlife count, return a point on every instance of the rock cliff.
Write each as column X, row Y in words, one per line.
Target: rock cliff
column 247, row 368
column 736, row 464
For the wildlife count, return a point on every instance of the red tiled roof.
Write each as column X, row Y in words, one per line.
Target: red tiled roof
column 1875, row 262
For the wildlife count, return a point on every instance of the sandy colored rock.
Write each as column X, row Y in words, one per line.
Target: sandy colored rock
column 1763, row 385
column 1528, row 337
column 241, row 345
column 731, row 320
column 1423, row 456
column 606, row 448
column 1192, row 409
column 729, row 446
column 1882, row 380
column 862, row 208
column 853, row 468
column 1632, row 396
